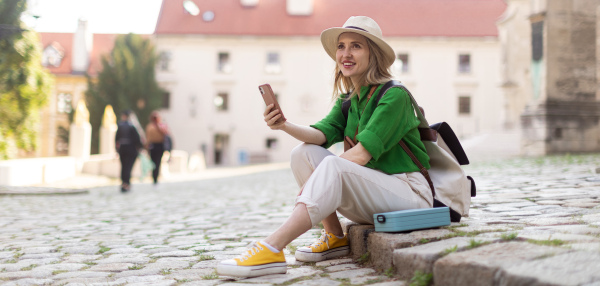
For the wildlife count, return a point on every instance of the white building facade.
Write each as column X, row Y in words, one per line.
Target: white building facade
column 212, row 69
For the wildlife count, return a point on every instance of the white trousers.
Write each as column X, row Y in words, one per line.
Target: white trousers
column 331, row 183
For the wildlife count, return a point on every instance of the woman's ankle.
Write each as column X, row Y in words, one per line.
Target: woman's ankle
column 274, row 244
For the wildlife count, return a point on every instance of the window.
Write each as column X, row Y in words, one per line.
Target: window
column 402, row 63
column 166, row 100
column 224, row 63
column 63, row 103
column 164, row 60
column 221, row 101
column 464, row 63
column 273, row 65
column 271, row 143
column 192, row 106
column 537, row 40
column 52, row 56
column 464, row 105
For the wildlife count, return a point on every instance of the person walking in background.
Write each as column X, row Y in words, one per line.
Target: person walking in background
column 158, row 141
column 128, row 144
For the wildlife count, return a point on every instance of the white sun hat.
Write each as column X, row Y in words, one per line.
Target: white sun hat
column 362, row 25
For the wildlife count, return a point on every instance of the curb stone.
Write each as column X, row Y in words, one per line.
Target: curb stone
column 32, row 191
column 482, row 265
column 382, row 245
column 572, row 268
column 422, row 257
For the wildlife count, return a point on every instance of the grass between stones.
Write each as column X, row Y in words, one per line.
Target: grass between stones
column 364, row 258
column 29, row 267
column 103, row 249
column 292, row 248
column 548, row 242
column 421, row 279
column 136, row 267
column 456, row 233
column 390, row 272
column 314, row 265
column 211, row 276
column 449, row 250
column 509, row 236
column 373, row 281
column 203, row 257
column 476, row 243
column 55, row 272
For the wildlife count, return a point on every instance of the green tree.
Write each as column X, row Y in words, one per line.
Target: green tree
column 127, row 81
column 24, row 84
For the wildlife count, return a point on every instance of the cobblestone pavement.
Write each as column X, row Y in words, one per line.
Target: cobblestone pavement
column 533, row 222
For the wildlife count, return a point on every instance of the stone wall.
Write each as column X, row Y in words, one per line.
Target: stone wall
column 564, row 116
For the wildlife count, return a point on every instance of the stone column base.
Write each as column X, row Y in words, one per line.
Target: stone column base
column 559, row 127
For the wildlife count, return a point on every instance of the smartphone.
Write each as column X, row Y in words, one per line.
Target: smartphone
column 269, row 98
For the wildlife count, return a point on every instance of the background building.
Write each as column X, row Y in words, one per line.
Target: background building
column 215, row 53
column 68, row 56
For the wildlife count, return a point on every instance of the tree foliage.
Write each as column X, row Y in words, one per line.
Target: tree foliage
column 127, row 81
column 24, row 84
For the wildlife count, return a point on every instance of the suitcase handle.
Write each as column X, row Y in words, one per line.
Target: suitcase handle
column 380, row 218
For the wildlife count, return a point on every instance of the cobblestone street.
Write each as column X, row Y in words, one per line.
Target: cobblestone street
column 531, row 217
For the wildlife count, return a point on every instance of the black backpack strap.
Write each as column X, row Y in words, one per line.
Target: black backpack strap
column 346, row 103
column 346, row 107
column 386, row 87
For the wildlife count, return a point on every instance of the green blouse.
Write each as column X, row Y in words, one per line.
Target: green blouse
column 379, row 129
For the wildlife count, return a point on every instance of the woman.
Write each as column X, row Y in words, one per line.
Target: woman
column 156, row 132
column 374, row 176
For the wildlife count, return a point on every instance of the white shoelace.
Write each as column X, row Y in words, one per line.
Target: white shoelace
column 254, row 249
column 323, row 239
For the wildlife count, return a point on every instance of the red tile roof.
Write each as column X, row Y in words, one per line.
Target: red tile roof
column 400, row 18
column 102, row 44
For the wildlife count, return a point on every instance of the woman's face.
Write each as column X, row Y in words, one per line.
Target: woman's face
column 352, row 55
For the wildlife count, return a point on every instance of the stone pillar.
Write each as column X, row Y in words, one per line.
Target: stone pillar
column 80, row 137
column 108, row 130
column 563, row 116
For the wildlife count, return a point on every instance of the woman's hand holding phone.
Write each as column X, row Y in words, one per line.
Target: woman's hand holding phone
column 272, row 117
column 273, row 114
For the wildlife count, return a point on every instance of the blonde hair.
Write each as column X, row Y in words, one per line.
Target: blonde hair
column 377, row 73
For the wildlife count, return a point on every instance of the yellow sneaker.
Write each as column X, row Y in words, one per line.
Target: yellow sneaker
column 327, row 247
column 257, row 261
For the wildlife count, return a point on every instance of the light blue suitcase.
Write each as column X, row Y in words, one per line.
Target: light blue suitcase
column 407, row 220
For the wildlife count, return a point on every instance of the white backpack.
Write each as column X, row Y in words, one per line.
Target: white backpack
column 450, row 185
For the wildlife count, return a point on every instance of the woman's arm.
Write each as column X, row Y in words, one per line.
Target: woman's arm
column 303, row 133
column 357, row 154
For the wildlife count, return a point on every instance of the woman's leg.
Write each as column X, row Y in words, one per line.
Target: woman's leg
column 297, row 224
column 358, row 192
column 332, row 224
column 305, row 158
column 156, row 153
